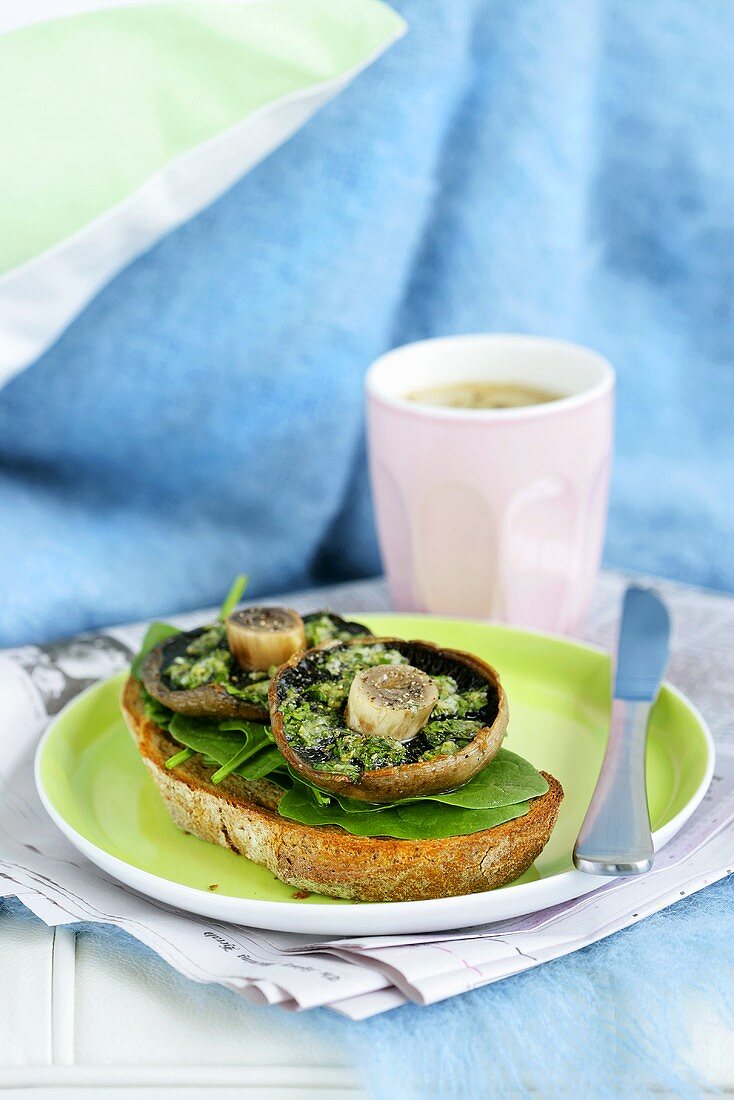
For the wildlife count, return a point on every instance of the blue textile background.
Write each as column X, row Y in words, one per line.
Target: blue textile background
column 552, row 166
column 613, row 1020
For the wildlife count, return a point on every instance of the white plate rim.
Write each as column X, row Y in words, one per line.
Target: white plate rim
column 373, row 918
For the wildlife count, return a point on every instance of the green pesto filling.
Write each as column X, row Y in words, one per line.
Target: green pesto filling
column 313, row 717
column 206, row 660
column 323, row 629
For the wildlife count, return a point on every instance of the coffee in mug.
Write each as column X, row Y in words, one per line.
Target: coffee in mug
column 483, row 395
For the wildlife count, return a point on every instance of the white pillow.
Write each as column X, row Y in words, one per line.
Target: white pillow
column 128, row 118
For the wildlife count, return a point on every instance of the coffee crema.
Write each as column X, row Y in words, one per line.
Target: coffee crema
column 482, row 395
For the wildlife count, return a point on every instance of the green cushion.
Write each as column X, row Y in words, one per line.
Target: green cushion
column 128, row 120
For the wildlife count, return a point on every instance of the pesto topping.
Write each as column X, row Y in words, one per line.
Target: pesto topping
column 253, row 686
column 323, row 628
column 455, row 703
column 206, row 660
column 210, row 639
column 457, row 729
column 345, row 662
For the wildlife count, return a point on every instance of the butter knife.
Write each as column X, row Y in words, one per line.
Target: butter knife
column 615, row 837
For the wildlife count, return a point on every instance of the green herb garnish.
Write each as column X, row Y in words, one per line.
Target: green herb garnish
column 179, row 758
column 233, row 597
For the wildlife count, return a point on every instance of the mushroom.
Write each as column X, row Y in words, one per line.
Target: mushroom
column 390, row 701
column 260, row 637
column 312, row 706
column 212, row 699
column 208, row 700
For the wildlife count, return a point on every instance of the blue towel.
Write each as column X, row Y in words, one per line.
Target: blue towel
column 552, row 166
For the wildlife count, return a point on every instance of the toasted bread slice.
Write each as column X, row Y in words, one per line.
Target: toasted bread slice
column 242, row 815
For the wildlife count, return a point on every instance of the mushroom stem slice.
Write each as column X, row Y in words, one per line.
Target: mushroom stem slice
column 261, row 637
column 392, row 701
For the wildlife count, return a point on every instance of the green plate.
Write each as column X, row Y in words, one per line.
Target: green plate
column 95, row 786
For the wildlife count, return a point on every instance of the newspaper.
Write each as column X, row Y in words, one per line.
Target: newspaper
column 359, row 976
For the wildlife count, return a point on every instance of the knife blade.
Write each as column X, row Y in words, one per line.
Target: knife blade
column 643, row 646
column 615, row 837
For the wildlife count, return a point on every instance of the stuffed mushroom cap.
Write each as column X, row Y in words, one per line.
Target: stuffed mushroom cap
column 206, row 700
column 311, row 697
column 212, row 699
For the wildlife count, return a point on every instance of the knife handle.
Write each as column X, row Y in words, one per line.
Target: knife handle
column 615, row 837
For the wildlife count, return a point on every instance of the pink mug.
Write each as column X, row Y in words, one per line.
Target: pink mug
column 492, row 513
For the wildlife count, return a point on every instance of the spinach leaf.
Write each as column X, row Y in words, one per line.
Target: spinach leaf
column 422, row 820
column 505, row 781
column 500, row 792
column 233, row 763
column 262, row 756
column 154, row 635
column 204, row 736
column 268, row 762
column 255, row 757
column 179, row 758
column 249, row 730
column 235, row 745
column 154, row 710
column 233, row 597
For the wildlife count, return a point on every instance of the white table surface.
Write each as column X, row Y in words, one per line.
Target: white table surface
column 80, row 1015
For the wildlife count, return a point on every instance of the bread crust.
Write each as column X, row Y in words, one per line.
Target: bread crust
column 242, row 815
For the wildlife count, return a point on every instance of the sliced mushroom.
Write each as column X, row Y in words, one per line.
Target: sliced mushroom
column 304, row 674
column 390, row 701
column 260, row 637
